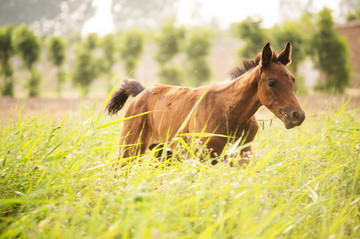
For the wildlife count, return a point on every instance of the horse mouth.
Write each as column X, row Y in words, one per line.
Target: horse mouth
column 292, row 116
column 289, row 125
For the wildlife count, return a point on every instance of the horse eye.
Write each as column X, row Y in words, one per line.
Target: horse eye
column 271, row 83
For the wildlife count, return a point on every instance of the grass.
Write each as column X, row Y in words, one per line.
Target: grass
column 57, row 181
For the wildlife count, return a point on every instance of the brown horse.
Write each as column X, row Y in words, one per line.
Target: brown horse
column 227, row 108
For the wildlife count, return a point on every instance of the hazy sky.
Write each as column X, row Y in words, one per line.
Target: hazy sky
column 228, row 11
column 102, row 22
column 203, row 11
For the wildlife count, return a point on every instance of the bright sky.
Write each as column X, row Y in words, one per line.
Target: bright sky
column 196, row 12
column 102, row 21
column 228, row 11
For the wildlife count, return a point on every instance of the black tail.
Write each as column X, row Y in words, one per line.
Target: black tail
column 128, row 87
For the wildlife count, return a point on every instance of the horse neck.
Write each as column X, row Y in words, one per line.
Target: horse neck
column 242, row 97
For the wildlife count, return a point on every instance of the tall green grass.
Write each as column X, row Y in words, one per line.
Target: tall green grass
column 57, row 180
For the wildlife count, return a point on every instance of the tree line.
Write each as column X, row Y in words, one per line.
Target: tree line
column 182, row 53
column 312, row 36
column 95, row 56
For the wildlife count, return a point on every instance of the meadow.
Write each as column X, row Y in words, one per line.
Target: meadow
column 58, row 180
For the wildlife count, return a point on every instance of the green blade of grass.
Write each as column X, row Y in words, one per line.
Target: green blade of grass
column 121, row 120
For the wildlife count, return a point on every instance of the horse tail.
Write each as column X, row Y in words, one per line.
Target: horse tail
column 128, row 87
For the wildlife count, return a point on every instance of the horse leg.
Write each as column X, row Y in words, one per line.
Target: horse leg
column 249, row 137
column 216, row 146
column 134, row 140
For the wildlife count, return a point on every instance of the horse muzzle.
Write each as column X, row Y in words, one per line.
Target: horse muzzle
column 292, row 116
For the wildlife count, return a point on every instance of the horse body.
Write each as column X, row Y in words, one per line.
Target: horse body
column 226, row 109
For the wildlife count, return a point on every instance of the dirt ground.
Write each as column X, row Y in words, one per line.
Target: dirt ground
column 10, row 107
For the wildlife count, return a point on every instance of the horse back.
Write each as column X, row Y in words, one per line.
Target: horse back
column 168, row 106
column 171, row 108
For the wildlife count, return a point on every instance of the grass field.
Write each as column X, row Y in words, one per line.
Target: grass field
column 57, row 181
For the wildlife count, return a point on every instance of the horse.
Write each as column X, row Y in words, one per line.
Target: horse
column 225, row 108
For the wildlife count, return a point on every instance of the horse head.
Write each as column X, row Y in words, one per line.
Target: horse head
column 276, row 86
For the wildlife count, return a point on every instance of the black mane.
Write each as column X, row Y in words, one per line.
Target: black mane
column 247, row 64
column 241, row 69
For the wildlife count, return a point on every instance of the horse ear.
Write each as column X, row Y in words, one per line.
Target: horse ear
column 285, row 56
column 266, row 55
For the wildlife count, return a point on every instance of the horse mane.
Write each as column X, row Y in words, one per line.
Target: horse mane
column 247, row 64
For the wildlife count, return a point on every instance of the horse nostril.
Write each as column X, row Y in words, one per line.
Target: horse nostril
column 292, row 115
column 296, row 116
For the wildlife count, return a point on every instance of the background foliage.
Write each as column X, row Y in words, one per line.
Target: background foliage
column 169, row 42
column 131, row 48
column 85, row 69
column 27, row 44
column 182, row 53
column 197, row 50
column 253, row 35
column 330, row 53
column 6, row 52
column 109, row 58
column 292, row 31
column 57, row 174
column 57, row 56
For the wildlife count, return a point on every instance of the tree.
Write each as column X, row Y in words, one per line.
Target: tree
column 169, row 46
column 292, row 32
column 6, row 51
column 131, row 48
column 109, row 48
column 171, row 74
column 91, row 41
column 330, row 53
column 254, row 36
column 27, row 44
column 197, row 49
column 350, row 9
column 352, row 16
column 57, row 55
column 85, row 69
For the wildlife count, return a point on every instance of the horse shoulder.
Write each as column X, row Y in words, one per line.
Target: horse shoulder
column 211, row 109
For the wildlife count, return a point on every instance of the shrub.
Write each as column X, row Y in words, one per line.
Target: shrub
column 197, row 49
column 34, row 83
column 85, row 70
column 169, row 43
column 330, row 53
column 171, row 74
column 56, row 50
column 253, row 35
column 27, row 44
column 91, row 41
column 109, row 48
column 291, row 32
column 6, row 51
column 131, row 48
column 57, row 55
